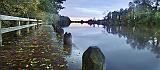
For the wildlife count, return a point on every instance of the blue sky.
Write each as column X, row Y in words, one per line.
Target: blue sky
column 87, row 9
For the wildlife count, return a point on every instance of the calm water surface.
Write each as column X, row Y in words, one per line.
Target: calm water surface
column 124, row 48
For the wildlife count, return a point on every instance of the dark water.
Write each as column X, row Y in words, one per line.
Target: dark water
column 125, row 48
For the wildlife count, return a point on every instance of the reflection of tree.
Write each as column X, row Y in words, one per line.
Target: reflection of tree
column 138, row 37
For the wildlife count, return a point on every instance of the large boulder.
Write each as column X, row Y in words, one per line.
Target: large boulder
column 93, row 59
column 64, row 21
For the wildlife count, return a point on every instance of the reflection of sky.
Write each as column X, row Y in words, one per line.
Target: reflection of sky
column 85, row 9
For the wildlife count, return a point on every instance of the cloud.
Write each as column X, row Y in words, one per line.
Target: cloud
column 88, row 10
column 80, row 9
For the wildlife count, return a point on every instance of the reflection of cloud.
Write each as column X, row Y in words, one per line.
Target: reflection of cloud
column 88, row 10
column 84, row 18
column 79, row 18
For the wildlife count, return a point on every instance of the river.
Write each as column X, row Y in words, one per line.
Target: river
column 125, row 48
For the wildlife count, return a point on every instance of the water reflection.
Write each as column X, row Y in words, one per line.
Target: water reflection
column 116, row 42
column 67, row 49
column 138, row 37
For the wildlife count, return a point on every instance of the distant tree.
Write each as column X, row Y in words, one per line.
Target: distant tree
column 139, row 12
column 137, row 2
column 109, row 15
column 131, row 8
column 131, row 5
column 156, row 3
column 121, row 12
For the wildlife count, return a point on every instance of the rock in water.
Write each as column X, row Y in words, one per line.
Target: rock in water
column 67, row 40
column 93, row 59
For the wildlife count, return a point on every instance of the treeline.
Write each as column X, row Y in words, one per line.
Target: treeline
column 140, row 12
column 46, row 10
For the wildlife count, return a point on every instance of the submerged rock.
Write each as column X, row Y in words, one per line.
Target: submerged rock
column 93, row 59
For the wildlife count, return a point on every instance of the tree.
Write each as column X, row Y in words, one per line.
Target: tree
column 131, row 5
column 131, row 8
column 39, row 9
column 144, row 2
column 50, row 8
column 156, row 3
column 137, row 2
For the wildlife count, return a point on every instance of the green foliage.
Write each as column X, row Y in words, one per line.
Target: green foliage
column 157, row 16
column 140, row 12
column 40, row 9
column 51, row 18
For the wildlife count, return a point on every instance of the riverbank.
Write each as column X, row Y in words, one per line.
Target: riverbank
column 37, row 51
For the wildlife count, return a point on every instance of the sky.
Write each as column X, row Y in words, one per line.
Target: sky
column 88, row 9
